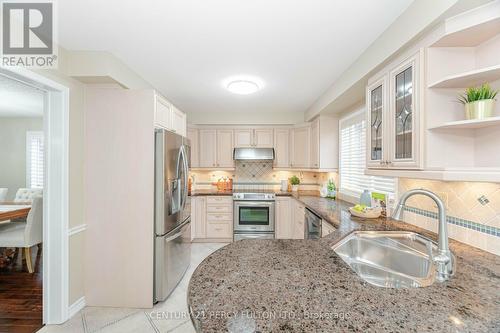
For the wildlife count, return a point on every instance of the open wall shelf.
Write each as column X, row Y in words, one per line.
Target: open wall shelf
column 469, row 78
column 469, row 124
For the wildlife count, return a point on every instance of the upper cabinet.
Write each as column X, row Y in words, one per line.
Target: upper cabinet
column 178, row 121
column 324, row 138
column 300, row 138
column 314, row 149
column 394, row 112
column 211, row 148
column 163, row 113
column 405, row 114
column 281, row 147
column 263, row 138
column 309, row 146
column 253, row 138
column 243, row 138
column 168, row 117
column 421, row 130
column 225, row 148
column 376, row 108
column 192, row 135
column 208, row 148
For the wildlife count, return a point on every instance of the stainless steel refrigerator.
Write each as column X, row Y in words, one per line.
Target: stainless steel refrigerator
column 172, row 212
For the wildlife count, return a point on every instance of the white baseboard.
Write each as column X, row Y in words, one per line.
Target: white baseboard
column 77, row 306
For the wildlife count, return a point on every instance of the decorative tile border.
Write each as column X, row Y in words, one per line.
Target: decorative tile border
column 457, row 221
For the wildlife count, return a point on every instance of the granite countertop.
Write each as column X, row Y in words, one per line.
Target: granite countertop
column 209, row 192
column 303, row 286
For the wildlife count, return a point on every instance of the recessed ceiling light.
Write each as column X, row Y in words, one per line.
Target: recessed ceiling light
column 243, row 84
column 242, row 87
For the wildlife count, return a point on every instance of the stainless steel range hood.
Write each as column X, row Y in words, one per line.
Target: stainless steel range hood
column 256, row 154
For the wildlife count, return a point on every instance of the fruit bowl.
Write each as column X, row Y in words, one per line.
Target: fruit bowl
column 367, row 212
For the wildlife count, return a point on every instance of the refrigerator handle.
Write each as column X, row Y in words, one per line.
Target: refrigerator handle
column 186, row 171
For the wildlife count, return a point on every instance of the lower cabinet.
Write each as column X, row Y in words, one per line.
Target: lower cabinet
column 283, row 225
column 289, row 220
column 212, row 218
column 298, row 219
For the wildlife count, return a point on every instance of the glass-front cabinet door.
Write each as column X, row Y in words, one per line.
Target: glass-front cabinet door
column 376, row 122
column 404, row 125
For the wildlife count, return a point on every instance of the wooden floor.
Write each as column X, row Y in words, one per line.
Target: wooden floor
column 21, row 295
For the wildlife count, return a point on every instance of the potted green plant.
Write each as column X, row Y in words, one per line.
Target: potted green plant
column 331, row 189
column 295, row 181
column 479, row 101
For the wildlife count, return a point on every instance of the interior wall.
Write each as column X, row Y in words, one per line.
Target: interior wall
column 13, row 151
column 76, row 197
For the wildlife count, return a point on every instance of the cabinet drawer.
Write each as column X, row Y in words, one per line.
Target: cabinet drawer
column 219, row 217
column 219, row 208
column 219, row 230
column 220, row 200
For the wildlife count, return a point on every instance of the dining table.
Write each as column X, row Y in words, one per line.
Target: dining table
column 10, row 210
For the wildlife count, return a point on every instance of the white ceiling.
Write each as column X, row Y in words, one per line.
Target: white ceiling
column 19, row 100
column 186, row 48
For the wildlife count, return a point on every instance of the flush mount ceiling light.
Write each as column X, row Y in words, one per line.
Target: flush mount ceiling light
column 242, row 85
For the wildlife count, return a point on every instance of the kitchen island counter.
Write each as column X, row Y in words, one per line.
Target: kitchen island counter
column 304, row 286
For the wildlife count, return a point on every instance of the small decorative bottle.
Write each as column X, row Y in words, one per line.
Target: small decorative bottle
column 366, row 198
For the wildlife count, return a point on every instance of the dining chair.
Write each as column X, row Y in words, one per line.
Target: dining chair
column 25, row 234
column 3, row 193
column 27, row 194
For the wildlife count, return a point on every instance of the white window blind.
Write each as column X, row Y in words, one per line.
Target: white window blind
column 34, row 159
column 353, row 160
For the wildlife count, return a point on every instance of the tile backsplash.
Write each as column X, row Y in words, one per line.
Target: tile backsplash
column 260, row 175
column 473, row 210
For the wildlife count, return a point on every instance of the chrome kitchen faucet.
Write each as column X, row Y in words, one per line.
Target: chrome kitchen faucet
column 443, row 260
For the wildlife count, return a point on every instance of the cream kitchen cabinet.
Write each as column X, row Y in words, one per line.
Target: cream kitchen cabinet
column 263, row 138
column 168, row 117
column 243, row 138
column 178, row 121
column 163, row 113
column 208, row 148
column 300, row 145
column 212, row 218
column 283, row 219
column 394, row 102
column 324, row 143
column 215, row 148
column 253, row 138
column 281, row 147
column 198, row 217
column 225, row 148
column 298, row 219
column 192, row 135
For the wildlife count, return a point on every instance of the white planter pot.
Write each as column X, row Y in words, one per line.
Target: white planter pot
column 479, row 109
column 295, row 188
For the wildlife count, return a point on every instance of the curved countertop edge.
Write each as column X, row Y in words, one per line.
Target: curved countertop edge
column 470, row 260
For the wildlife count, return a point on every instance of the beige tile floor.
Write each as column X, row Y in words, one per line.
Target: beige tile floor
column 169, row 316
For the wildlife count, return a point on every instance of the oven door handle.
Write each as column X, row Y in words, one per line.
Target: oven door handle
column 254, row 203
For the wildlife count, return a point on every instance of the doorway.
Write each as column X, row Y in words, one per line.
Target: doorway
column 49, row 176
column 21, row 205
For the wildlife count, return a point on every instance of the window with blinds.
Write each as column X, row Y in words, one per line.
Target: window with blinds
column 34, row 159
column 353, row 160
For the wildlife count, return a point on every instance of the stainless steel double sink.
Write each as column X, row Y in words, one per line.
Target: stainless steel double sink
column 391, row 259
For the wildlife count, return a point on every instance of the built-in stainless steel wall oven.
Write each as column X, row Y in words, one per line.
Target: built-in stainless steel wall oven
column 253, row 215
